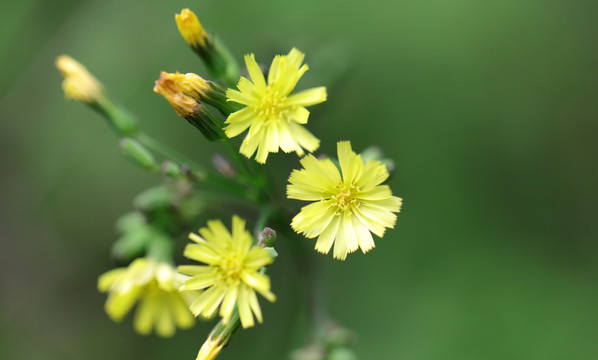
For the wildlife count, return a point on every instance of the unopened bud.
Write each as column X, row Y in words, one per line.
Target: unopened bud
column 211, row 348
column 78, row 83
column 137, row 153
column 171, row 169
column 191, row 29
column 156, row 197
column 267, row 237
column 213, row 53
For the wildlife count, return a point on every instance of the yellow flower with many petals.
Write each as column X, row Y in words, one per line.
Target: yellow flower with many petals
column 348, row 205
column 274, row 116
column 155, row 285
column 231, row 275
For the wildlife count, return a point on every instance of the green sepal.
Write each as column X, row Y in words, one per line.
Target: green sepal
column 209, row 124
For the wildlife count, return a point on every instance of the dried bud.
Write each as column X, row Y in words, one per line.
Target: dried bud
column 167, row 86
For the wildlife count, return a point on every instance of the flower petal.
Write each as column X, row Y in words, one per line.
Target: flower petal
column 255, row 72
column 308, row 97
column 239, row 121
column 326, row 238
column 239, row 97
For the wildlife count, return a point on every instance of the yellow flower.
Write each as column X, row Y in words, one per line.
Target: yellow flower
column 231, row 275
column 275, row 118
column 348, row 205
column 155, row 286
column 78, row 83
column 190, row 28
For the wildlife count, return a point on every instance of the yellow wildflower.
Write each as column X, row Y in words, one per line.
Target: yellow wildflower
column 348, row 205
column 155, row 286
column 274, row 116
column 190, row 28
column 78, row 83
column 231, row 275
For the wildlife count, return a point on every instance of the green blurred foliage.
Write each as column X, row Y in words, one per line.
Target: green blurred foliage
column 488, row 109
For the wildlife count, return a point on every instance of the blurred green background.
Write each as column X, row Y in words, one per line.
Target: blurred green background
column 488, row 108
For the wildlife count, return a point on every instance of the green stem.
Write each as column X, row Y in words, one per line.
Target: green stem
column 238, row 158
column 314, row 281
column 224, row 331
column 167, row 152
column 263, row 217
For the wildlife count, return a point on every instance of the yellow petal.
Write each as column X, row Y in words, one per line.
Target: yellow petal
column 200, row 281
column 326, row 238
column 229, row 302
column 308, row 97
column 241, row 98
column 164, row 322
column 145, row 314
column 244, row 308
column 255, row 72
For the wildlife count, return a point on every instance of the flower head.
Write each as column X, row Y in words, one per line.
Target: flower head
column 155, row 286
column 78, row 83
column 347, row 205
column 170, row 86
column 190, row 28
column 273, row 115
column 231, row 274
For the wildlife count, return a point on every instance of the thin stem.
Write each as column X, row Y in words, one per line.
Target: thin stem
column 262, row 220
column 241, row 162
column 168, row 152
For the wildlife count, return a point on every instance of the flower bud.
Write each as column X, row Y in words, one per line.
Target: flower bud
column 267, row 237
column 168, row 86
column 78, row 83
column 213, row 53
column 137, row 153
column 191, row 29
column 177, row 88
column 171, row 169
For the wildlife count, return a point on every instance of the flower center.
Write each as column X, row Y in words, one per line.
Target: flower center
column 345, row 198
column 271, row 104
column 231, row 268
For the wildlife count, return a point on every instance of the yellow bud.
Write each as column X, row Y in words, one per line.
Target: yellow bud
column 211, row 348
column 190, row 28
column 168, row 85
column 78, row 83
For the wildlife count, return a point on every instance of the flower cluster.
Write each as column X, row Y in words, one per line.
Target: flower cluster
column 348, row 198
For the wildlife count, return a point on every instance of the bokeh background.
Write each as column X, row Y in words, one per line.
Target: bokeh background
column 488, row 109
